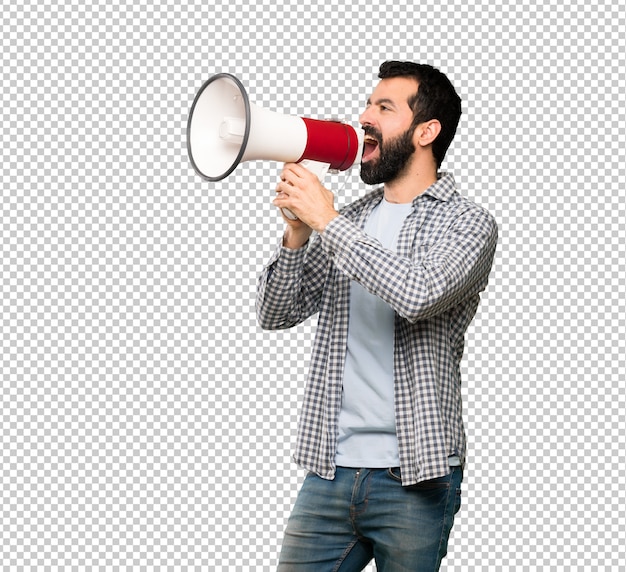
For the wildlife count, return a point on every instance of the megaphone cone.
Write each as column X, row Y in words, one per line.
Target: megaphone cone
column 220, row 108
column 224, row 129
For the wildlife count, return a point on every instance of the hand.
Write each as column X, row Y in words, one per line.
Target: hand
column 300, row 191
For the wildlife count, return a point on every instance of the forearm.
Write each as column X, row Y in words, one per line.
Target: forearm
column 416, row 286
column 290, row 286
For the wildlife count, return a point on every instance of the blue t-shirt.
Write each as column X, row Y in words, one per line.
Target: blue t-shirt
column 367, row 429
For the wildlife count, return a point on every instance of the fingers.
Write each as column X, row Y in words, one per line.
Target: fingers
column 280, row 199
column 291, row 178
column 284, row 189
column 295, row 173
column 288, row 188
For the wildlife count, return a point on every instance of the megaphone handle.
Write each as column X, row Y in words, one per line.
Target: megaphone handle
column 289, row 214
column 317, row 168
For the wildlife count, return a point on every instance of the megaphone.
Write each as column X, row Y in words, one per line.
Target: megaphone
column 225, row 129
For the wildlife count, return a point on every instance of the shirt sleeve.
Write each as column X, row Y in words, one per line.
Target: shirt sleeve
column 452, row 269
column 290, row 287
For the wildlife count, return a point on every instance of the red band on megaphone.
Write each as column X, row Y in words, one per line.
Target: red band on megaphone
column 331, row 142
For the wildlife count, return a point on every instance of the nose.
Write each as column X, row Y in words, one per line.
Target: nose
column 364, row 118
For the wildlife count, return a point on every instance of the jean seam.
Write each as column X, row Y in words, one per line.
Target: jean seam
column 451, row 493
column 342, row 558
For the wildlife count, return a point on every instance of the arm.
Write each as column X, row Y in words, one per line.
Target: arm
column 455, row 267
column 290, row 287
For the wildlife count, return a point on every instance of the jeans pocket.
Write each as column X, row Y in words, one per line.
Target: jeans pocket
column 394, row 473
column 439, row 483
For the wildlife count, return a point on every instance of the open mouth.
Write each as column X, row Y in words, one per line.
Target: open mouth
column 370, row 144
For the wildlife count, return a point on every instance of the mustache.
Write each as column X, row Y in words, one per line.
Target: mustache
column 373, row 132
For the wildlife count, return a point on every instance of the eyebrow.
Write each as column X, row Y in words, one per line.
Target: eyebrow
column 382, row 101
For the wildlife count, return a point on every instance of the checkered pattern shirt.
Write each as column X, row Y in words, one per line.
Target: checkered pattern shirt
column 444, row 256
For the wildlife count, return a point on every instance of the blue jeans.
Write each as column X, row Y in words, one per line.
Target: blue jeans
column 340, row 525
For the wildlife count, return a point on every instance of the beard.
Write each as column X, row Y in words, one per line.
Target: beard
column 393, row 157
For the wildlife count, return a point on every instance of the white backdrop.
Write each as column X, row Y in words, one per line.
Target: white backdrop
column 147, row 422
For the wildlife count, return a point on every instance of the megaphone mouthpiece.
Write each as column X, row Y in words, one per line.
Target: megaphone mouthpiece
column 332, row 142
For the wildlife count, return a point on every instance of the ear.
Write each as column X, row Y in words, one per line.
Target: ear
column 427, row 132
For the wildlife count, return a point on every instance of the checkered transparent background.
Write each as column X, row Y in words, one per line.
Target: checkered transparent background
column 147, row 422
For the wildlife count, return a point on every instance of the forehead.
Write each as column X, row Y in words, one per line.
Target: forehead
column 394, row 89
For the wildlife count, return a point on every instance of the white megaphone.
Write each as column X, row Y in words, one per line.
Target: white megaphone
column 225, row 129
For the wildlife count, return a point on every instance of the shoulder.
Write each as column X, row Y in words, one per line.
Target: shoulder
column 457, row 215
column 465, row 211
column 475, row 214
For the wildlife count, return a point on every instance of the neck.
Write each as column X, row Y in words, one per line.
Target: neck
column 407, row 186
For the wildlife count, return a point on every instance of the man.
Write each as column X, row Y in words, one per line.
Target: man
column 396, row 278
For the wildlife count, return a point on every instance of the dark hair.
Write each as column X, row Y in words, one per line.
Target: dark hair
column 435, row 99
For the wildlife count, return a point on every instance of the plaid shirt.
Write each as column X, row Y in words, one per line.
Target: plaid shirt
column 433, row 281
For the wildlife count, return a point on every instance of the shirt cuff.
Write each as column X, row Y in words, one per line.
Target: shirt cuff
column 286, row 261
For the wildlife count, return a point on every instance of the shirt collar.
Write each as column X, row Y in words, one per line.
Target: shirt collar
column 442, row 189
